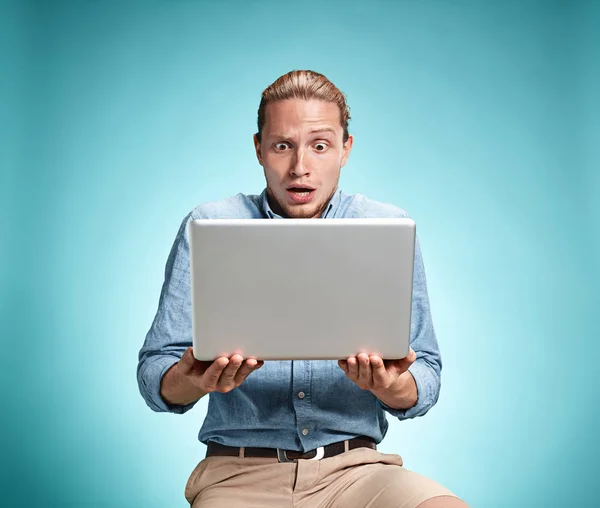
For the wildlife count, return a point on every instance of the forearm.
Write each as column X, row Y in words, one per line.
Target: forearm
column 402, row 394
column 177, row 390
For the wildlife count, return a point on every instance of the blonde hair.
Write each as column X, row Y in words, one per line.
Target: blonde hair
column 304, row 85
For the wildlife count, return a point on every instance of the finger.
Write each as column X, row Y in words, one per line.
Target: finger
column 255, row 363
column 343, row 364
column 228, row 375
column 352, row 368
column 235, row 362
column 365, row 375
column 245, row 370
column 211, row 376
column 380, row 374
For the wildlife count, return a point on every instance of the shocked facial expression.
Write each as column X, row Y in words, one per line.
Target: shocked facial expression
column 302, row 152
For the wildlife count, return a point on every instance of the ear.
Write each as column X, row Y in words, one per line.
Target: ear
column 257, row 149
column 347, row 148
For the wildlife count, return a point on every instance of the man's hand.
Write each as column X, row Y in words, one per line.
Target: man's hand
column 189, row 379
column 388, row 380
column 222, row 375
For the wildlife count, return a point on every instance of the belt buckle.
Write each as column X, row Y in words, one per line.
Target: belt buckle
column 282, row 455
column 320, row 453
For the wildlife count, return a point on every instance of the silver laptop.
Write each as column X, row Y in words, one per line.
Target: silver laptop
column 301, row 288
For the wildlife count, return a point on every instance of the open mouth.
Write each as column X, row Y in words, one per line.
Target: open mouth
column 301, row 194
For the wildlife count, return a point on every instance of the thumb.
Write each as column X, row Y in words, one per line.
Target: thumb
column 187, row 360
column 409, row 359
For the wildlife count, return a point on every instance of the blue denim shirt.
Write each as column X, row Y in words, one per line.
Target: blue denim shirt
column 295, row 405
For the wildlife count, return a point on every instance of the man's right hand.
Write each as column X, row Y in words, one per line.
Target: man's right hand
column 189, row 379
column 222, row 375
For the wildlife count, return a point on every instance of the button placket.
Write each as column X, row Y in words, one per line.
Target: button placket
column 300, row 383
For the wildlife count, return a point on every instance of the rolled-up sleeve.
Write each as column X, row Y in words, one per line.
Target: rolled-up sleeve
column 427, row 368
column 171, row 331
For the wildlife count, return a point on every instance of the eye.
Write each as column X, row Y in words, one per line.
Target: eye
column 320, row 147
column 281, row 146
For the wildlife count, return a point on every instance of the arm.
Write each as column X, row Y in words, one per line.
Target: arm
column 170, row 333
column 427, row 367
column 169, row 377
column 409, row 387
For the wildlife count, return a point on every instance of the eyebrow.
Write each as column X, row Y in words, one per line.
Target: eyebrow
column 324, row 129
column 312, row 131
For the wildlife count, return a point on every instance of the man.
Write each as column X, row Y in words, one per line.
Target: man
column 295, row 433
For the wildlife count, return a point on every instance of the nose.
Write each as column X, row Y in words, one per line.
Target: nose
column 299, row 167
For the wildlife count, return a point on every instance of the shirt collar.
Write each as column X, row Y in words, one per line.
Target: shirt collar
column 330, row 210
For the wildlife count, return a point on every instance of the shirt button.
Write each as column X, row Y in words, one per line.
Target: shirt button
column 300, row 395
column 304, row 432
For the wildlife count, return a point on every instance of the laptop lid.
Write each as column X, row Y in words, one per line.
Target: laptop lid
column 301, row 288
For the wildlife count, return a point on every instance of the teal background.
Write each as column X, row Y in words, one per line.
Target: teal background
column 479, row 118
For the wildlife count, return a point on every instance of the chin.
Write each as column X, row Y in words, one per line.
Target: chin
column 296, row 211
column 302, row 212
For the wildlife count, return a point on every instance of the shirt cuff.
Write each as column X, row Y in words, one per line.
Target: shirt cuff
column 150, row 379
column 427, row 383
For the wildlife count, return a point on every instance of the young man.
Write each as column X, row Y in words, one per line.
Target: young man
column 295, row 433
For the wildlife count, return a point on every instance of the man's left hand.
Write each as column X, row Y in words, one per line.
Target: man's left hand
column 386, row 379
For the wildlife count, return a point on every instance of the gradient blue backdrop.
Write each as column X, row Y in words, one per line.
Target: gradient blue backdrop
column 479, row 118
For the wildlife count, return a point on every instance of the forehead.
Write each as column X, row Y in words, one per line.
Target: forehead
column 299, row 114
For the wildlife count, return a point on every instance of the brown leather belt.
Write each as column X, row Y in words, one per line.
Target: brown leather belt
column 323, row 452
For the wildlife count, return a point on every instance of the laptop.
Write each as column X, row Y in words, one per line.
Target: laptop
column 291, row 289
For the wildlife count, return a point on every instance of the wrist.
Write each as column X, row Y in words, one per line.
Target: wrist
column 401, row 394
column 176, row 387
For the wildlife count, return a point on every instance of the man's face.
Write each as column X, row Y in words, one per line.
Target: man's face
column 302, row 152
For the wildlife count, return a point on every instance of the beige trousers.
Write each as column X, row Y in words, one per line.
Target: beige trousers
column 360, row 478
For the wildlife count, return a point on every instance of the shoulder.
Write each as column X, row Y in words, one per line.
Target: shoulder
column 360, row 206
column 240, row 206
